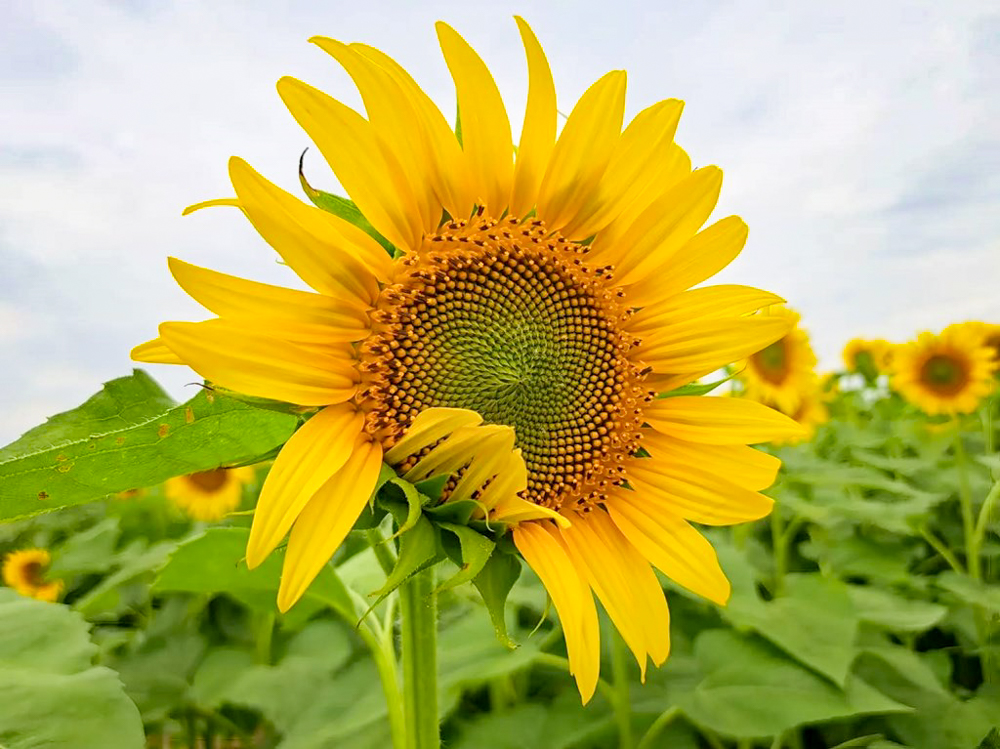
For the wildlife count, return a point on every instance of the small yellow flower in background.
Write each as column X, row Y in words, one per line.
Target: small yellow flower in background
column 517, row 345
column 949, row 373
column 779, row 373
column 987, row 333
column 869, row 357
column 209, row 495
column 24, row 571
column 811, row 412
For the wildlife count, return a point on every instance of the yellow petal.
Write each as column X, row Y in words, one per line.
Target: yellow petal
column 155, row 352
column 492, row 455
column 719, row 421
column 238, row 359
column 671, row 544
column 696, row 494
column 458, row 449
column 582, row 153
column 704, row 255
column 231, row 202
column 706, row 345
column 239, row 298
column 486, row 138
column 327, row 519
column 704, row 303
column 750, row 468
column 448, row 167
column 633, row 168
column 328, row 253
column 666, row 225
column 395, row 121
column 515, row 510
column 364, row 165
column 430, row 425
column 510, row 482
column 624, row 583
column 313, row 454
column 670, row 167
column 545, row 553
column 538, row 135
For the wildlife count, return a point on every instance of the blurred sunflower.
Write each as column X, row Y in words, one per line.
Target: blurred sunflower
column 869, row 357
column 988, row 333
column 209, row 495
column 24, row 571
column 949, row 373
column 780, row 372
column 811, row 412
column 516, row 341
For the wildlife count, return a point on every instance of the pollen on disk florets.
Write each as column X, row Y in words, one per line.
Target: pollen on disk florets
column 511, row 321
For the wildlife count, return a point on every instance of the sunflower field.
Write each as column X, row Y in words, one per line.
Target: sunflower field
column 445, row 497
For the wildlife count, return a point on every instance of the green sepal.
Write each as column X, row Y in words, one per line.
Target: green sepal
column 697, row 388
column 459, row 511
column 472, row 554
column 419, row 548
column 433, row 487
column 494, row 583
column 342, row 208
column 415, row 502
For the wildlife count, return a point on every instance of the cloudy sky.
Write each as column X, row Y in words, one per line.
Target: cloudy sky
column 860, row 141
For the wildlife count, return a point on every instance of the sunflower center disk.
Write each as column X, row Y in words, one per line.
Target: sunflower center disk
column 514, row 324
column 943, row 374
column 772, row 361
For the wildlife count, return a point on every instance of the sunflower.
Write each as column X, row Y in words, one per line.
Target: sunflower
column 949, row 373
column 517, row 339
column 869, row 357
column 987, row 333
column 209, row 495
column 811, row 412
column 24, row 571
column 778, row 373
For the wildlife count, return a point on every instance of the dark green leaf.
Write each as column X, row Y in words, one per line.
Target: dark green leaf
column 475, row 552
column 129, row 436
column 418, row 549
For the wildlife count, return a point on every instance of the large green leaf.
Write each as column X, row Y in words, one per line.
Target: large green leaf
column 130, row 435
column 50, row 694
column 814, row 621
column 894, row 612
column 213, row 563
column 752, row 690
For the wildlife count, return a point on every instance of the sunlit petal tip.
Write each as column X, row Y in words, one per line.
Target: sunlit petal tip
column 232, row 202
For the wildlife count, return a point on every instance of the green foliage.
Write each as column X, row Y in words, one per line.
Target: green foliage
column 130, row 435
column 50, row 694
column 855, row 620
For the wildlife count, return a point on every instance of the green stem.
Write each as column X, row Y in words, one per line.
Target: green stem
column 779, row 550
column 965, row 502
column 939, row 546
column 662, row 721
column 265, row 635
column 623, row 703
column 418, row 608
column 385, row 556
column 979, row 532
column 384, row 657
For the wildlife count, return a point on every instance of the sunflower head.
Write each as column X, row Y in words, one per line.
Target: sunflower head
column 24, row 571
column 867, row 357
column 779, row 372
column 517, row 341
column 949, row 373
column 209, row 495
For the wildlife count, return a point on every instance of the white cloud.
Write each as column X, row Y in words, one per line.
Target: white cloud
column 860, row 141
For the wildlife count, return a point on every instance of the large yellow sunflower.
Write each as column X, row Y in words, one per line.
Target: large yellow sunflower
column 209, row 495
column 949, row 373
column 779, row 373
column 517, row 340
column 24, row 571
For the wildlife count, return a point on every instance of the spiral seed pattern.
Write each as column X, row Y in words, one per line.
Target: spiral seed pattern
column 507, row 320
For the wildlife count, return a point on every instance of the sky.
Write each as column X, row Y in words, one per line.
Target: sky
column 860, row 141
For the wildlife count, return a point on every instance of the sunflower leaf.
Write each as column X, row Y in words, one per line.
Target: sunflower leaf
column 50, row 694
column 419, row 548
column 697, row 388
column 494, row 583
column 130, row 435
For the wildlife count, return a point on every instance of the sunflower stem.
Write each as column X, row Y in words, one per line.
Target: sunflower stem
column 965, row 502
column 622, row 703
column 659, row 725
column 418, row 611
